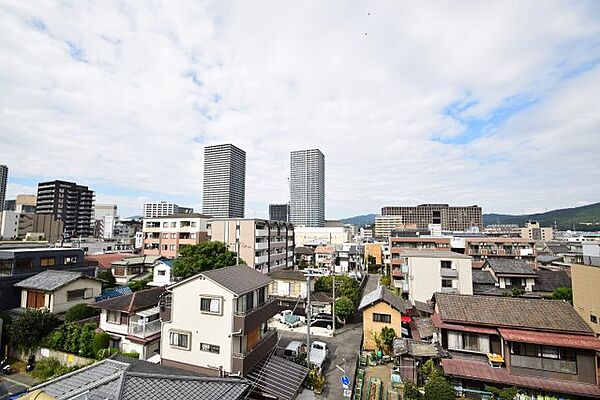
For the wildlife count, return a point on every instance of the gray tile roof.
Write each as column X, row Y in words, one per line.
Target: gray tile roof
column 288, row 274
column 50, row 280
column 548, row 281
column 542, row 258
column 384, row 294
column 483, row 277
column 509, row 266
column 114, row 379
column 132, row 302
column 535, row 314
column 239, row 279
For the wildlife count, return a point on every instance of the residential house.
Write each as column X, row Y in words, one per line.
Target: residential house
column 164, row 236
column 133, row 268
column 350, row 257
column 17, row 264
column 569, row 252
column 381, row 308
column 103, row 261
column 547, row 281
column 325, row 256
column 125, row 378
column 290, row 289
column 57, row 291
column 541, row 347
column 132, row 321
column 541, row 284
column 511, row 273
column 305, row 254
column 420, row 274
column 162, row 273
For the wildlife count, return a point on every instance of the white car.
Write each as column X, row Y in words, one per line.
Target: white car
column 318, row 354
column 294, row 349
column 288, row 318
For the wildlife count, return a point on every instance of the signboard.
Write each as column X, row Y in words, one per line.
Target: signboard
column 347, row 393
column 345, row 380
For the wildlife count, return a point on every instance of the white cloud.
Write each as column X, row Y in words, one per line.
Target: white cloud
column 121, row 94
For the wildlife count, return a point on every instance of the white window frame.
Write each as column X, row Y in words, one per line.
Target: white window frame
column 173, row 334
column 216, row 305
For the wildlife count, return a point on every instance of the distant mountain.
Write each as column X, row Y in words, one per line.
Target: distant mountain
column 584, row 218
column 360, row 220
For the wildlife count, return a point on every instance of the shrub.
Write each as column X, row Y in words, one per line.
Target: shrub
column 73, row 338
column 131, row 354
column 411, row 391
column 439, row 388
column 49, row 367
column 385, row 281
column 79, row 312
column 100, row 341
column 105, row 353
column 28, row 331
column 109, row 281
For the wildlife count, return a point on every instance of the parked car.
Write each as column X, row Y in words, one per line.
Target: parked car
column 288, row 318
column 316, row 271
column 324, row 323
column 319, row 352
column 294, row 349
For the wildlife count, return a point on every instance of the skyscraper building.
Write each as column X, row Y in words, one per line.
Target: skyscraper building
column 224, row 188
column 3, row 182
column 279, row 212
column 307, row 188
column 71, row 203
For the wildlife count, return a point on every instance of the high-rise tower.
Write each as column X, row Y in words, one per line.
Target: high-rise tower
column 224, row 181
column 307, row 188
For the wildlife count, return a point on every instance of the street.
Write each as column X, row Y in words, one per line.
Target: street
column 18, row 382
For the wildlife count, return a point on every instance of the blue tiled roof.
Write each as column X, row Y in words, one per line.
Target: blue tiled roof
column 113, row 292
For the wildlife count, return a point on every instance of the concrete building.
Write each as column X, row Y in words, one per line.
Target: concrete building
column 263, row 245
column 533, row 231
column 421, row 274
column 3, row 184
column 325, row 256
column 585, row 280
column 24, row 203
column 307, row 188
column 384, row 224
column 224, row 188
column 279, row 212
column 366, row 233
column 103, row 210
column 484, row 248
column 314, row 236
column 451, row 218
column 164, row 236
column 69, row 202
column 46, row 226
column 9, row 225
column 163, row 209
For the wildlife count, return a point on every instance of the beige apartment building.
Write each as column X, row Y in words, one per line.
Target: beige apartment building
column 313, row 236
column 585, row 279
column 262, row 244
column 384, row 224
column 484, row 248
column 164, row 236
column 534, row 231
column 461, row 218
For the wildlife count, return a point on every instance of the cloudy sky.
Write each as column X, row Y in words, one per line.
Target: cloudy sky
column 489, row 103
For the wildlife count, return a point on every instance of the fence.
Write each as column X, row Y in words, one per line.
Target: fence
column 66, row 359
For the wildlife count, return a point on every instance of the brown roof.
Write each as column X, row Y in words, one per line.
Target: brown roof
column 551, row 339
column 132, row 302
column 535, row 314
column 104, row 260
column 239, row 279
column 324, row 250
column 456, row 367
column 288, row 274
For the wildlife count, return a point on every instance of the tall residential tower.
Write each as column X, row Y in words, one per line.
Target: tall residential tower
column 307, row 188
column 224, row 181
column 3, row 181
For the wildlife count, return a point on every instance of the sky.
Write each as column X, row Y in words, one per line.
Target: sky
column 493, row 103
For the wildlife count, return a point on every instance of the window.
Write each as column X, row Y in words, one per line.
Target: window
column 79, row 294
column 173, row 224
column 249, row 301
column 165, row 225
column 446, row 264
column 593, row 319
column 447, row 283
column 172, row 247
column 468, row 342
column 210, row 305
column 48, row 261
column 193, row 235
column 23, row 263
column 119, row 271
column 70, row 260
column 385, row 318
column 261, row 295
column 211, row 348
column 173, row 236
column 180, row 340
column 113, row 317
column 549, row 358
column 162, row 273
column 516, row 282
column 165, row 235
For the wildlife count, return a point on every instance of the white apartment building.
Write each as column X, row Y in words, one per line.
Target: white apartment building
column 307, row 188
column 421, row 274
column 306, row 235
column 366, row 232
column 224, row 186
column 384, row 224
column 103, row 210
column 262, row 244
column 9, row 225
column 163, row 209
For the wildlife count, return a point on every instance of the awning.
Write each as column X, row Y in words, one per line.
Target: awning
column 438, row 323
column 406, row 319
column 552, row 339
column 149, row 312
column 277, row 377
column 478, row 371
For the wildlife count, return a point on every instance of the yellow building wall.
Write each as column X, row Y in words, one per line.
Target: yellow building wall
column 373, row 249
column 370, row 327
column 586, row 299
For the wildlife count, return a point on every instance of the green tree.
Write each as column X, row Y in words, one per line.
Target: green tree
column 139, row 284
column 385, row 281
column 371, row 263
column 344, row 307
column 108, row 279
column 79, row 312
column 302, row 264
column 439, row 388
column 563, row 293
column 387, row 338
column 503, row 394
column 28, row 331
column 411, row 391
column 100, row 341
column 86, row 341
column 205, row 256
column 345, row 287
column 429, row 370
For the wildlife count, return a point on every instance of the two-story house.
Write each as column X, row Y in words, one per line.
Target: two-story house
column 132, row 268
column 132, row 321
column 541, row 347
column 162, row 272
column 511, row 273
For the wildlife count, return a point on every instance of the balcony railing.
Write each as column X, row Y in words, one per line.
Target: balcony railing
column 143, row 330
column 243, row 362
column 448, row 273
column 244, row 321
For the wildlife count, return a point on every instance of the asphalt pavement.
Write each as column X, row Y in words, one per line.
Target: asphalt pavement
column 18, row 382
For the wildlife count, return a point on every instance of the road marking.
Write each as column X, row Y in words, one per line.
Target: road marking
column 15, row 382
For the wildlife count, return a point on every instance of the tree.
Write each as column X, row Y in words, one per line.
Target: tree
column 387, row 338
column 205, row 256
column 371, row 263
column 385, row 281
column 302, row 264
column 139, row 284
column 344, row 307
column 79, row 312
column 563, row 293
column 503, row 394
column 108, row 279
column 429, row 370
column 345, row 287
column 100, row 341
column 411, row 391
column 439, row 388
column 26, row 332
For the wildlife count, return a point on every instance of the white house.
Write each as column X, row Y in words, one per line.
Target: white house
column 161, row 273
column 57, row 291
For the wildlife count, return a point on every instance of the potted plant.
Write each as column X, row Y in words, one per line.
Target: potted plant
column 319, row 384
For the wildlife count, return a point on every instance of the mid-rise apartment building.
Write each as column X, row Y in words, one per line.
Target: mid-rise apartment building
column 307, row 188
column 586, row 281
column 68, row 202
column 224, row 188
column 484, row 248
column 313, row 236
column 164, row 236
column 103, row 210
column 279, row 212
column 3, row 184
column 163, row 209
column 384, row 224
column 450, row 218
column 534, row 231
column 421, row 274
column 262, row 244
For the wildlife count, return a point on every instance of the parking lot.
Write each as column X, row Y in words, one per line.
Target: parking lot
column 320, row 332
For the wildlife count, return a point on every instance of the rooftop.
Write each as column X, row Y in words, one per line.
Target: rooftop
column 51, row 280
column 40, row 249
column 288, row 274
column 434, row 254
column 181, row 216
column 105, row 260
column 482, row 277
column 509, row 266
column 238, row 279
column 132, row 302
column 384, row 294
column 521, row 313
column 548, row 281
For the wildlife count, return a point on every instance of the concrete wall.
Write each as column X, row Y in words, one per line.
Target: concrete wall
column 212, row 329
column 586, row 301
column 370, row 327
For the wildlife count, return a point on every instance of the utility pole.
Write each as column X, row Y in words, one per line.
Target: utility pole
column 308, row 312
column 333, row 305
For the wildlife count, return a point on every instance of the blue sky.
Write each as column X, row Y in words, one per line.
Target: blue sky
column 492, row 104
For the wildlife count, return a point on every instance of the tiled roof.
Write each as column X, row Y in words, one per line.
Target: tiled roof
column 239, row 279
column 304, row 250
column 278, row 377
column 558, row 248
column 434, row 254
column 509, row 266
column 324, row 250
column 384, row 294
column 288, row 274
column 552, row 339
column 105, row 260
column 476, row 370
column 128, row 379
column 483, row 277
column 137, row 260
column 132, row 302
column 50, row 280
column 548, row 281
column 542, row 258
column 535, row 314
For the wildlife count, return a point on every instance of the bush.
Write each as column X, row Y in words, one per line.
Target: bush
column 108, row 279
column 29, row 330
column 140, row 284
column 385, row 281
column 50, row 367
column 100, row 341
column 105, row 353
column 73, row 338
column 79, row 312
column 411, row 391
column 131, row 354
column 439, row 388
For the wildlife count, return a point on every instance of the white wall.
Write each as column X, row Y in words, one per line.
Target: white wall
column 10, row 225
column 425, row 277
column 59, row 303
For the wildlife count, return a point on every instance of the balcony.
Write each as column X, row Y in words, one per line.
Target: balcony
column 248, row 320
column 261, row 245
column 397, row 273
column 448, row 273
column 262, row 232
column 243, row 362
column 144, row 328
column 261, row 259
